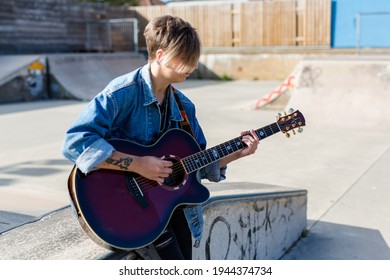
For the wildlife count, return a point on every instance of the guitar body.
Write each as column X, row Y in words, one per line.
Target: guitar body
column 122, row 210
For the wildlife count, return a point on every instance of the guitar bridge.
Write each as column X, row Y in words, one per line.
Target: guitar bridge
column 136, row 191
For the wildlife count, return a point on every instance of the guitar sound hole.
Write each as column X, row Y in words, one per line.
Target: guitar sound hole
column 178, row 176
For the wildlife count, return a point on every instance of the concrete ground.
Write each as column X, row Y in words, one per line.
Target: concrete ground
column 344, row 170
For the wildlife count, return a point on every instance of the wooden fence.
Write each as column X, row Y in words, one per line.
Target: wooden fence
column 252, row 24
column 70, row 26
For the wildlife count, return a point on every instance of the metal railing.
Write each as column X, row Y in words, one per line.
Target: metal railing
column 112, row 35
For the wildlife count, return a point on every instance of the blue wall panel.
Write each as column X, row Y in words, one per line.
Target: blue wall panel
column 375, row 29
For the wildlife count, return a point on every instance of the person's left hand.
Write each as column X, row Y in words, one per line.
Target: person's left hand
column 251, row 141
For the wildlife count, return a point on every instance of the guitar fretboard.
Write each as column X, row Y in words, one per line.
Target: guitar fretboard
column 203, row 158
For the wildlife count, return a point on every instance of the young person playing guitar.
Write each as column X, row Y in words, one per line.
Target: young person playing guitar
column 140, row 106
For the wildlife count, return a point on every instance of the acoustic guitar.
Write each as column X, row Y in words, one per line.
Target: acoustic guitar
column 123, row 210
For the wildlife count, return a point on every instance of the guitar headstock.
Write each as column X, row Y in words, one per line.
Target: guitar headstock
column 291, row 121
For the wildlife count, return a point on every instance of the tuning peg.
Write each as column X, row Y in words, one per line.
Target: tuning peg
column 278, row 116
column 293, row 131
column 300, row 130
column 291, row 110
column 287, row 134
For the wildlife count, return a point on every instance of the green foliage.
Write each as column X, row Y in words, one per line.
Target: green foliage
column 225, row 77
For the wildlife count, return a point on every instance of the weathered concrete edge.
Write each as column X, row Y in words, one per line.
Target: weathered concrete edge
column 261, row 225
column 261, row 196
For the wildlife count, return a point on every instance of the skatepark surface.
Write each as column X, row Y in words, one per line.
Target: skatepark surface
column 342, row 157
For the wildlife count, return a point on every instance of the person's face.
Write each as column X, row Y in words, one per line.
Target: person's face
column 171, row 69
column 172, row 73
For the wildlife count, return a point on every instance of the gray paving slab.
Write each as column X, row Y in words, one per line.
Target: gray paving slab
column 357, row 224
column 9, row 220
column 32, row 170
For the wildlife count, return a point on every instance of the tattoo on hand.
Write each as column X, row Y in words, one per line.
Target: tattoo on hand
column 122, row 163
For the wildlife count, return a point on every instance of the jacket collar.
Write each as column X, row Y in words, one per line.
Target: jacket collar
column 150, row 98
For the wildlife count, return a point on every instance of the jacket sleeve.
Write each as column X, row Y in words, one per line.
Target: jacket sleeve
column 84, row 142
column 213, row 172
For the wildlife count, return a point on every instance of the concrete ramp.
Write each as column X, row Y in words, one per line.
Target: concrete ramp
column 22, row 78
column 12, row 64
column 82, row 76
column 351, row 93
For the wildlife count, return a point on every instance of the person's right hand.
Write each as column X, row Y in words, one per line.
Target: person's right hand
column 153, row 168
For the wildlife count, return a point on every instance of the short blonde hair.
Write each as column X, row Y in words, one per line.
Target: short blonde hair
column 177, row 38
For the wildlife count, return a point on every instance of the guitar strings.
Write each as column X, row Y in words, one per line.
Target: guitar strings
column 141, row 180
column 191, row 162
column 178, row 167
column 206, row 155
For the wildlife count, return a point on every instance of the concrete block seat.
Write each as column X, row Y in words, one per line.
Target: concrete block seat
column 242, row 221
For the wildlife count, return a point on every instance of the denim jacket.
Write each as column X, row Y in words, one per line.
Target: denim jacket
column 127, row 109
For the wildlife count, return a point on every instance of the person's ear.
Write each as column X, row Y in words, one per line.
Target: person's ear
column 159, row 54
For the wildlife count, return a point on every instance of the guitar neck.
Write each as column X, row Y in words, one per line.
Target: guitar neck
column 203, row 158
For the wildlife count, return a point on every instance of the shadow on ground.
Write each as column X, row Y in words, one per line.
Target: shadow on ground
column 330, row 241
